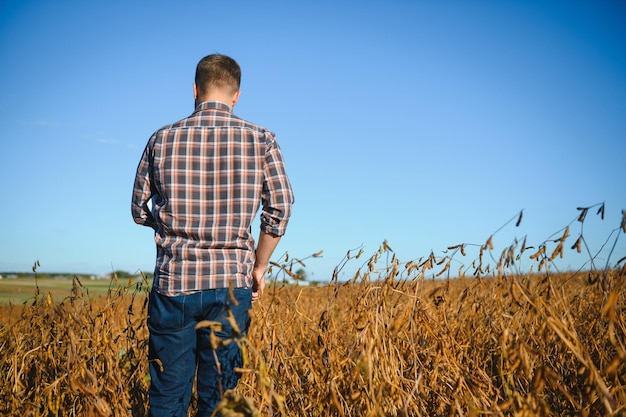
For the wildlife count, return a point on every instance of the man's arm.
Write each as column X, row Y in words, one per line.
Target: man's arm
column 265, row 248
column 277, row 199
column 142, row 193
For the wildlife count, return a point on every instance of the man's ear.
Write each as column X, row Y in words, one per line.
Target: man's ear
column 236, row 97
column 195, row 91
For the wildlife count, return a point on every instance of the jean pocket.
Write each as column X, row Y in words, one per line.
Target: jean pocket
column 166, row 313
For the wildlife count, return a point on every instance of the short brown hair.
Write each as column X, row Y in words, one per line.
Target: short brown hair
column 218, row 71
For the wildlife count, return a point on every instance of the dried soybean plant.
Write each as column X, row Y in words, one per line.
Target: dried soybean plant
column 435, row 336
column 407, row 339
column 81, row 356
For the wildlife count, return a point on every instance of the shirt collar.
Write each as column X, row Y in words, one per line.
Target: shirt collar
column 213, row 105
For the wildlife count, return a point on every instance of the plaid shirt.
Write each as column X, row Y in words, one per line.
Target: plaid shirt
column 199, row 185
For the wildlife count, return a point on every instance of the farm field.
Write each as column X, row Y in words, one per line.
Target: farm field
column 22, row 290
column 530, row 345
column 398, row 339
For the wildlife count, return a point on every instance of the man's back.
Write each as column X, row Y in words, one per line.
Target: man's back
column 208, row 175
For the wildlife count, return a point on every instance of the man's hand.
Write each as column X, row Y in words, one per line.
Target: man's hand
column 267, row 244
column 258, row 284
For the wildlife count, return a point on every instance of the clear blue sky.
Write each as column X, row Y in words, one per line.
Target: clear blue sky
column 425, row 123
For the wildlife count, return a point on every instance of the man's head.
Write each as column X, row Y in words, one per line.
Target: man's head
column 218, row 77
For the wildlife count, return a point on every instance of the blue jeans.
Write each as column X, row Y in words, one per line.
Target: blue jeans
column 177, row 351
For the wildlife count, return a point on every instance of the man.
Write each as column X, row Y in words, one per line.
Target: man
column 199, row 185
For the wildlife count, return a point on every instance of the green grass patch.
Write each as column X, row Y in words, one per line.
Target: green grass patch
column 23, row 290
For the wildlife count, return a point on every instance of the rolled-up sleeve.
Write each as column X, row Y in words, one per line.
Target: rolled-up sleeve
column 277, row 198
column 142, row 192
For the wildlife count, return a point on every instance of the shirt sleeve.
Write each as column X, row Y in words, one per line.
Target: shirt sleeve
column 142, row 192
column 277, row 198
